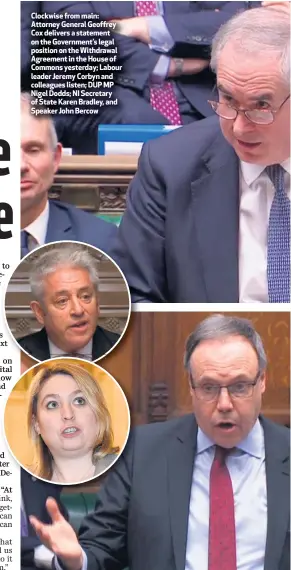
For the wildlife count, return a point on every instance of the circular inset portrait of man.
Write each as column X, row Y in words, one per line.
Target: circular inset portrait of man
column 77, row 421
column 67, row 299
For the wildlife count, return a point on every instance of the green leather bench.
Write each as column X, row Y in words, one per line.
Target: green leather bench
column 78, row 506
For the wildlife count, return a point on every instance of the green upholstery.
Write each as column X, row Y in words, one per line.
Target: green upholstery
column 78, row 506
column 114, row 219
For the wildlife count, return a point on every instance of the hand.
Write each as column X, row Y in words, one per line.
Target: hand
column 191, row 66
column 59, row 537
column 136, row 28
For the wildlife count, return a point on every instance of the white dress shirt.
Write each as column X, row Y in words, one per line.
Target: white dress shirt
column 37, row 229
column 248, row 475
column 256, row 197
column 56, row 352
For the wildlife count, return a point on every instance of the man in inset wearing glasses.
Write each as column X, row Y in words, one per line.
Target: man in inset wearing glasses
column 208, row 212
column 208, row 491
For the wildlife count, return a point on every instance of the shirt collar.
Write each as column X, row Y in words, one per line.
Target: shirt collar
column 86, row 351
column 38, row 228
column 253, row 444
column 251, row 172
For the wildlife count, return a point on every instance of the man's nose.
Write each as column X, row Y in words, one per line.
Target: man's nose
column 23, row 162
column 242, row 125
column 224, row 402
column 76, row 306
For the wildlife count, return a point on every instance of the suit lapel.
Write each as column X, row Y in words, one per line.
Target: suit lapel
column 41, row 349
column 59, row 224
column 215, row 198
column 180, row 469
column 278, row 495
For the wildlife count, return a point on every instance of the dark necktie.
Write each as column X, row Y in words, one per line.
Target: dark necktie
column 24, row 243
column 278, row 264
column 162, row 97
column 24, row 527
column 222, row 540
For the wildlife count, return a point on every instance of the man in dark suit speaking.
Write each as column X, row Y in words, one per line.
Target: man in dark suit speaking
column 64, row 286
column 208, row 212
column 43, row 220
column 208, row 491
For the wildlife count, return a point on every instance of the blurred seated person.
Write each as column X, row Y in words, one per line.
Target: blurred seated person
column 34, row 494
column 69, row 424
column 164, row 50
column 44, row 220
column 64, row 283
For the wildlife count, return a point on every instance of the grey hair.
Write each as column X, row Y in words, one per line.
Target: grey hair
column 26, row 102
column 255, row 31
column 222, row 326
column 66, row 254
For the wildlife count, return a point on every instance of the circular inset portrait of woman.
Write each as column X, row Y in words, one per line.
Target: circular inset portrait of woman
column 67, row 421
column 67, row 299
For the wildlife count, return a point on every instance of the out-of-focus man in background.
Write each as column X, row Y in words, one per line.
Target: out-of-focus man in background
column 44, row 220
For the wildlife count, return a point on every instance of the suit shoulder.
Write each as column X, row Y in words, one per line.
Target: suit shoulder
column 91, row 220
column 28, row 338
column 159, row 431
column 202, row 132
column 108, row 335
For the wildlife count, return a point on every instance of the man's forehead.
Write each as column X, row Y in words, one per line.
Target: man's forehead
column 33, row 129
column 235, row 58
column 69, row 275
column 225, row 349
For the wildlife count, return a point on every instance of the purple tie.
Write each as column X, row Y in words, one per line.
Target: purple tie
column 222, row 538
column 162, row 97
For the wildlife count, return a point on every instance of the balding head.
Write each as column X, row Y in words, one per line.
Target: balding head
column 251, row 55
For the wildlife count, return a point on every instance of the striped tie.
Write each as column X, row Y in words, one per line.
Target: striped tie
column 278, row 258
column 162, row 97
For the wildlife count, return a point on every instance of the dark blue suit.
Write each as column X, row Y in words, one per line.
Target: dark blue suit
column 192, row 26
column 70, row 223
column 178, row 240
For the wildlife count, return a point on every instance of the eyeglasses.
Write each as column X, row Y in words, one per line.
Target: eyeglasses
column 209, row 392
column 257, row 116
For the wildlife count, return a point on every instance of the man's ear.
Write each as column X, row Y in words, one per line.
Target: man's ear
column 38, row 311
column 57, row 156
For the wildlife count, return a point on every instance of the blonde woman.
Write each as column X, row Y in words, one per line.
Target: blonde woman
column 70, row 425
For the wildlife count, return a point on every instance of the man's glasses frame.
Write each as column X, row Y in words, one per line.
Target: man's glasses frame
column 217, row 107
column 229, row 387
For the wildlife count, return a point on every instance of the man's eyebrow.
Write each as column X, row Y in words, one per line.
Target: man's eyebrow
column 239, row 378
column 33, row 142
column 264, row 96
column 61, row 292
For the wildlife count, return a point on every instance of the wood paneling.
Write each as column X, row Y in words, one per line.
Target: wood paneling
column 95, row 183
